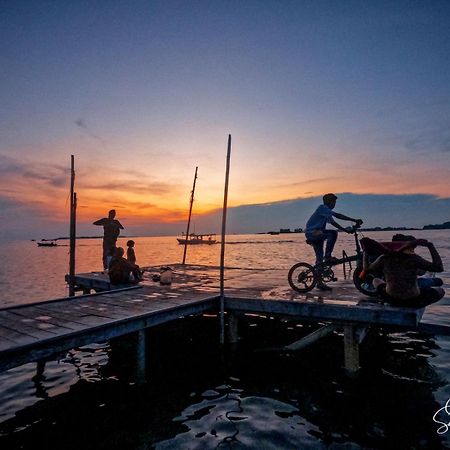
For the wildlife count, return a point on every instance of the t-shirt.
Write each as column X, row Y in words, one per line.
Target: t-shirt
column 319, row 219
column 111, row 228
column 119, row 270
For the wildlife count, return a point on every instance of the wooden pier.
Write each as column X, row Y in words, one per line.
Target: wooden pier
column 39, row 331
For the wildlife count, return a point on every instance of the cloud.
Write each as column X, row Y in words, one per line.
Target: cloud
column 131, row 185
column 23, row 220
column 52, row 174
column 310, row 181
column 413, row 210
column 81, row 123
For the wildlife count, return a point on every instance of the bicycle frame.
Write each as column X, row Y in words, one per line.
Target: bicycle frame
column 346, row 259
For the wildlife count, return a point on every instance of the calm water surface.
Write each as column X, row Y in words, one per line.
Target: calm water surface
column 198, row 397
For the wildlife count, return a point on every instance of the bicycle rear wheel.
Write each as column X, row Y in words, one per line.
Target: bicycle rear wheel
column 302, row 277
column 363, row 285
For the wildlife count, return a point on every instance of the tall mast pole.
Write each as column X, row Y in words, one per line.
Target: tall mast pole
column 222, row 246
column 190, row 213
column 73, row 203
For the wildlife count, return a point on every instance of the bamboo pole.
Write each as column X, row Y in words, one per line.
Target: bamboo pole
column 189, row 218
column 222, row 245
column 73, row 199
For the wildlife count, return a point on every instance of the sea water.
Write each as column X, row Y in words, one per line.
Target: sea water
column 197, row 396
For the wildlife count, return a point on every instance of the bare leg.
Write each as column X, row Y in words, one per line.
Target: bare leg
column 377, row 281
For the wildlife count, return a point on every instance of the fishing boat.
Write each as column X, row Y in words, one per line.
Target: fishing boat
column 194, row 239
column 47, row 243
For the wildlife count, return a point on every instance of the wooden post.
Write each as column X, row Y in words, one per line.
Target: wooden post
column 222, row 245
column 73, row 205
column 189, row 218
column 140, row 356
column 40, row 368
column 351, row 349
column 233, row 334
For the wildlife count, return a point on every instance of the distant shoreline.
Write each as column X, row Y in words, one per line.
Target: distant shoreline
column 425, row 228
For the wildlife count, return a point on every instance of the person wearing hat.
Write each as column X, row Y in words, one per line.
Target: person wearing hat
column 401, row 267
column 111, row 231
column 317, row 234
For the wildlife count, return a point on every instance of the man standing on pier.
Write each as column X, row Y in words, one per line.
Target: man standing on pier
column 111, row 231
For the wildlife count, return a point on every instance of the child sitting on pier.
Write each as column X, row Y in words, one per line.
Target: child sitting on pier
column 131, row 258
column 400, row 268
column 120, row 269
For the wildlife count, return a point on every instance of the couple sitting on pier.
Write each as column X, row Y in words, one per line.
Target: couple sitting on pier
column 397, row 264
column 123, row 270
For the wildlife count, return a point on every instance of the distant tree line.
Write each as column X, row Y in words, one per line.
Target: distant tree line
column 442, row 226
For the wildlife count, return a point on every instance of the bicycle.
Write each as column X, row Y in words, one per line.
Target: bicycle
column 303, row 277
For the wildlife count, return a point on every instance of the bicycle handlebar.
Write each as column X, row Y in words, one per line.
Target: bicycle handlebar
column 356, row 227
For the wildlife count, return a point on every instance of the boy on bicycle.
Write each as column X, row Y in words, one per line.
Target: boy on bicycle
column 316, row 232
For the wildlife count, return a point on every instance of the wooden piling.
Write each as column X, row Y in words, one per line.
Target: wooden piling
column 351, row 349
column 222, row 245
column 140, row 356
column 233, row 333
column 189, row 218
column 73, row 205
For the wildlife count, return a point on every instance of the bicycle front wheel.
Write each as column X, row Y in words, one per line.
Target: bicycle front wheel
column 302, row 277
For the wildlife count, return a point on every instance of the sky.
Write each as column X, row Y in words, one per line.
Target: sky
column 319, row 96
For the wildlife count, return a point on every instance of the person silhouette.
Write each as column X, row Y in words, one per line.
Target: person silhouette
column 111, row 231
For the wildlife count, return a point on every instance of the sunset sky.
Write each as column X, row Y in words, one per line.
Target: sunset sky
column 318, row 96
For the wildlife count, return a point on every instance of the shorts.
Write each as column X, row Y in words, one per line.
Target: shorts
column 427, row 296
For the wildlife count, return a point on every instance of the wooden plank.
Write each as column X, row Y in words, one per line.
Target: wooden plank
column 23, row 325
column 12, row 335
column 5, row 343
column 97, row 308
column 381, row 315
column 46, row 322
column 13, row 357
column 85, row 320
column 123, row 310
column 65, row 299
column 143, row 305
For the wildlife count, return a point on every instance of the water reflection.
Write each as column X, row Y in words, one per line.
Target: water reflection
column 198, row 397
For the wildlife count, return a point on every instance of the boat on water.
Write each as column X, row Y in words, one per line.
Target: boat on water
column 47, row 243
column 194, row 239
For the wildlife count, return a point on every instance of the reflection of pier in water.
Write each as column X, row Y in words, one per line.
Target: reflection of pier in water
column 197, row 394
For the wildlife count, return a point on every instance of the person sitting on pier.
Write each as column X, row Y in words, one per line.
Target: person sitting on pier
column 120, row 269
column 111, row 231
column 421, row 281
column 131, row 258
column 316, row 232
column 400, row 269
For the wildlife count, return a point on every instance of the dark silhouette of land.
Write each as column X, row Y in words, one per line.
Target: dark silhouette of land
column 442, row 226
